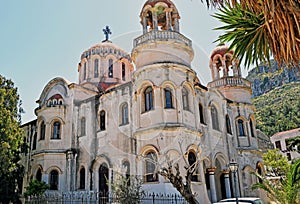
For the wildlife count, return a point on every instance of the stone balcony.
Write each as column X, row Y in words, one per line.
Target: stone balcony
column 230, row 81
column 157, row 35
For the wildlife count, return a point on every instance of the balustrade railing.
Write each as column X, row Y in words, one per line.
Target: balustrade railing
column 231, row 81
column 161, row 35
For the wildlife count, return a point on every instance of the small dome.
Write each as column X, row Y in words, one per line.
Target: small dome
column 152, row 3
column 105, row 48
column 220, row 50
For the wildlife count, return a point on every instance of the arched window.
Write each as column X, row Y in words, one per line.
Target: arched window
column 82, row 126
column 201, row 114
column 241, row 127
column 84, row 71
column 103, row 176
column 168, row 98
column 56, row 130
column 124, row 113
column 185, row 99
column 126, row 165
column 82, row 178
column 110, row 68
column 214, row 118
column 38, row 175
column 252, row 128
column 102, row 120
column 228, row 125
column 53, row 180
column 34, row 141
column 96, row 65
column 123, row 71
column 150, row 165
column 193, row 165
column 148, row 98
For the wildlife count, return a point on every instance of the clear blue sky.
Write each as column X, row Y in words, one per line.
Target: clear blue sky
column 43, row 39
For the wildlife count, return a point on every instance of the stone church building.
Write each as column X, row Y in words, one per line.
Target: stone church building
column 134, row 112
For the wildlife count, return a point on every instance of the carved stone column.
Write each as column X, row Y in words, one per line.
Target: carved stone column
column 227, row 184
column 168, row 19
column 144, row 22
column 154, row 20
column 211, row 172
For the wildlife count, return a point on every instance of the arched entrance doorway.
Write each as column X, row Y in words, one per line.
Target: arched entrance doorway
column 103, row 179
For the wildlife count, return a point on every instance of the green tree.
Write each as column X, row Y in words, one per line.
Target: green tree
column 285, row 188
column 36, row 188
column 257, row 29
column 11, row 171
column 127, row 190
column 276, row 164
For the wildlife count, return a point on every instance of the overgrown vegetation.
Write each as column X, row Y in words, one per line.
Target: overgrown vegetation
column 36, row 188
column 127, row 190
column 279, row 109
column 11, row 143
column 282, row 180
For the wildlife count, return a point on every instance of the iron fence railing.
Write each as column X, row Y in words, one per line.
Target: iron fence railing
column 98, row 198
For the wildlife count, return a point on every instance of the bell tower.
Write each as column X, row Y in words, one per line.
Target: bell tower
column 161, row 41
column 226, row 76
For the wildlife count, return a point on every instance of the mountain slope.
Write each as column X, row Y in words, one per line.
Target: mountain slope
column 279, row 109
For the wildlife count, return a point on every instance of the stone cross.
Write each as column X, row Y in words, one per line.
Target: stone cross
column 107, row 32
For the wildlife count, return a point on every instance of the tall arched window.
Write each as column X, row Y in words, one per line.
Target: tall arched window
column 168, row 98
column 150, row 165
column 103, row 176
column 123, row 71
column 42, row 130
column 96, row 65
column 34, row 141
column 214, row 118
column 241, row 127
column 53, row 180
column 82, row 178
column 126, row 165
column 83, row 126
column 148, row 98
column 193, row 165
column 56, row 130
column 124, row 109
column 228, row 125
column 39, row 175
column 110, row 68
column 185, row 99
column 252, row 128
column 201, row 114
column 102, row 120
column 84, row 71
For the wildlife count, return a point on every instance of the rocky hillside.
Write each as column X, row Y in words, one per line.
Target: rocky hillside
column 279, row 109
column 266, row 78
column 276, row 96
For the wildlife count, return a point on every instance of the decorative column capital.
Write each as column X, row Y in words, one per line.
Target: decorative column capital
column 211, row 170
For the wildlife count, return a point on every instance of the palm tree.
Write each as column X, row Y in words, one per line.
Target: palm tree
column 285, row 189
column 257, row 29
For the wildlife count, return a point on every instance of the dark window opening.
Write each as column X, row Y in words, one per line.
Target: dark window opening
column 241, row 127
column 185, row 99
column 82, row 178
column 96, row 65
column 148, row 94
column 53, row 180
column 201, row 114
column 56, row 130
column 228, row 125
column 102, row 120
column 214, row 117
column 150, row 175
column 39, row 175
column 193, row 165
column 168, row 98
column 110, row 68
column 123, row 71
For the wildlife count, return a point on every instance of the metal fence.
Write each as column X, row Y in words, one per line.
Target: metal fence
column 98, row 198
